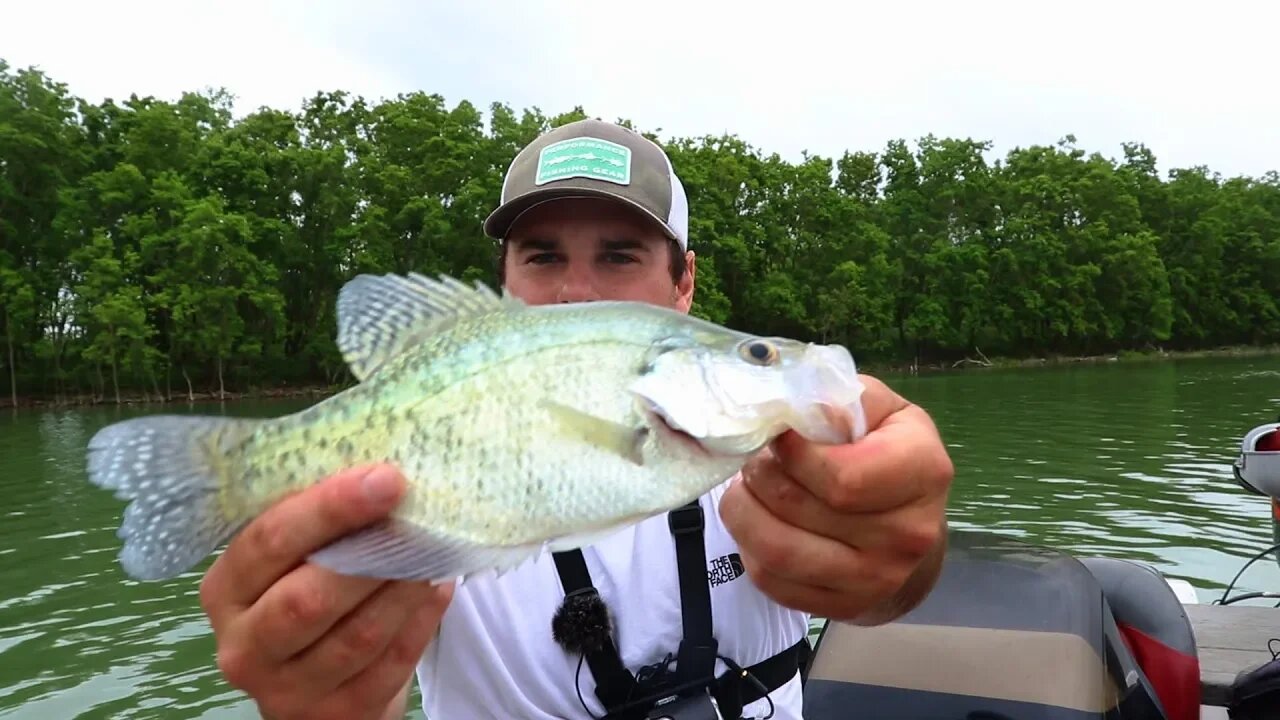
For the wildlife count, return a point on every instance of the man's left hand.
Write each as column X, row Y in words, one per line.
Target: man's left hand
column 853, row 532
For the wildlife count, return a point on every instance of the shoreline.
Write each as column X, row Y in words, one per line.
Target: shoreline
column 968, row 364
column 982, row 362
column 138, row 398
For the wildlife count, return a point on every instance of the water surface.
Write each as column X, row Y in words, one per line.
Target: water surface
column 1127, row 460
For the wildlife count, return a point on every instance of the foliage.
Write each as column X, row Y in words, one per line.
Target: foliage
column 148, row 244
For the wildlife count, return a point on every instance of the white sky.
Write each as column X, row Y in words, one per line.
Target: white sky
column 1198, row 85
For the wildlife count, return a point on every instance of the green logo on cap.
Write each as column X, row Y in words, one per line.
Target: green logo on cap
column 586, row 158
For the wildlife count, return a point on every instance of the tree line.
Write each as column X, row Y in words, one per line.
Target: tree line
column 166, row 248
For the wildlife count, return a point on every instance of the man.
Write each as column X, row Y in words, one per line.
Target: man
column 589, row 211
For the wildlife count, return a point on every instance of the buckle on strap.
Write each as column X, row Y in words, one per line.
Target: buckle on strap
column 687, row 519
column 684, row 707
column 696, row 659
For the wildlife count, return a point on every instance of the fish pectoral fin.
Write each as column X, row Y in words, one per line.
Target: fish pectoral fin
column 396, row 550
column 626, row 442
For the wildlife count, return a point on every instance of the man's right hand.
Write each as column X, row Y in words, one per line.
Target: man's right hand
column 305, row 642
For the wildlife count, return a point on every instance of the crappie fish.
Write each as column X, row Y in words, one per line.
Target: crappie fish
column 520, row 429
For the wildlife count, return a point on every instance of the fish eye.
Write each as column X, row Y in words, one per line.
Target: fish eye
column 760, row 352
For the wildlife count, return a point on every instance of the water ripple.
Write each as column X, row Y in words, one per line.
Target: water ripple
column 1125, row 461
column 1134, row 461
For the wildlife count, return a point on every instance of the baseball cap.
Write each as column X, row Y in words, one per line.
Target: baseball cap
column 593, row 158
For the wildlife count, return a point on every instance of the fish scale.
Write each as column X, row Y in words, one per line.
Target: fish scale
column 519, row 429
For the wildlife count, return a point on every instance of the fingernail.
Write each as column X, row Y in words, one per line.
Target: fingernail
column 381, row 484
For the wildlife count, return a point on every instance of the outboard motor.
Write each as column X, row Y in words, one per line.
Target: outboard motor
column 1013, row 631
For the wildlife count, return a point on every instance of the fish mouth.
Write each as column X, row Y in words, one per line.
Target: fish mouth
column 659, row 421
column 703, row 447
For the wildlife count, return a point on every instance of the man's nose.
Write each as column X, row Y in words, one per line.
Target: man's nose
column 578, row 286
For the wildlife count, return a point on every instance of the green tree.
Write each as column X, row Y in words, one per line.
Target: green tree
column 148, row 242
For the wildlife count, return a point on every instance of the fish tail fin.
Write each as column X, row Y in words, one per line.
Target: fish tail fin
column 174, row 469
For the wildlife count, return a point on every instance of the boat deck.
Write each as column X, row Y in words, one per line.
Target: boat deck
column 1230, row 639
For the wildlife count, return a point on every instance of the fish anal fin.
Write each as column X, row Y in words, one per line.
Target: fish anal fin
column 393, row 549
column 586, row 538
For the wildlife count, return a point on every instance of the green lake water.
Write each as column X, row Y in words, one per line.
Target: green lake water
column 1129, row 460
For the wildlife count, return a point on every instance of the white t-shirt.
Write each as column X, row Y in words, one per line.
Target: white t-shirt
column 494, row 656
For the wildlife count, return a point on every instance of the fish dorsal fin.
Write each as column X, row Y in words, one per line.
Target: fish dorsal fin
column 380, row 316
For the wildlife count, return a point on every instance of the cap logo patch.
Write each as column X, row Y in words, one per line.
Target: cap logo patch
column 584, row 157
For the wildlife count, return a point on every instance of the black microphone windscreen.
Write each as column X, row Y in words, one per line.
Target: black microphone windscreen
column 581, row 624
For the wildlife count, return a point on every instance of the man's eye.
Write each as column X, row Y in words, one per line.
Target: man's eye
column 541, row 258
column 618, row 258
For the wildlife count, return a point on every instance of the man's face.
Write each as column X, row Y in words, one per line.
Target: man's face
column 582, row 250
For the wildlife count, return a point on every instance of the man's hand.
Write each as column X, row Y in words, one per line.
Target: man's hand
column 851, row 532
column 305, row 642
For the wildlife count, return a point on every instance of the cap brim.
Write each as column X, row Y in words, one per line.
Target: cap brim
column 498, row 224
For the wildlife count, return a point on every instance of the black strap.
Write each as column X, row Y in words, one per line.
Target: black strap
column 733, row 690
column 613, row 683
column 698, row 648
column 695, row 662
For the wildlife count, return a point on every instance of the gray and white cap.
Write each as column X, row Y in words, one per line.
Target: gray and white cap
column 593, row 158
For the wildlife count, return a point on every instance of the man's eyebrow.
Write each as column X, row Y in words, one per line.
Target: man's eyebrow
column 535, row 243
column 624, row 244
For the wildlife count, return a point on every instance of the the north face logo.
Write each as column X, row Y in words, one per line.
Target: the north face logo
column 724, row 569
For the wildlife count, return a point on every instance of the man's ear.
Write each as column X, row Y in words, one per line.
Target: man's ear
column 684, row 288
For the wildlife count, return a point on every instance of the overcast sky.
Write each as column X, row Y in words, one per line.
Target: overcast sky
column 1198, row 86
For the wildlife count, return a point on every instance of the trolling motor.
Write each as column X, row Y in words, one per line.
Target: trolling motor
column 1257, row 469
column 1255, row 693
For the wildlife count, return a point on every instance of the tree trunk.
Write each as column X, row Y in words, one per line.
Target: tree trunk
column 59, row 347
column 191, row 394
column 13, row 370
column 115, row 378
column 222, row 391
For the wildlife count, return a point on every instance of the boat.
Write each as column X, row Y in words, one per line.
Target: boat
column 1016, row 631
